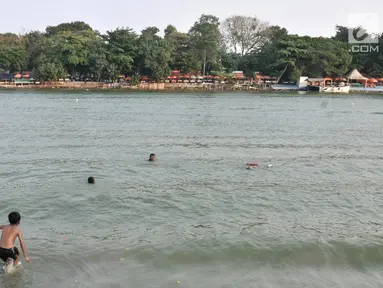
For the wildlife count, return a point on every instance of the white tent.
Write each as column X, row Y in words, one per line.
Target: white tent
column 355, row 75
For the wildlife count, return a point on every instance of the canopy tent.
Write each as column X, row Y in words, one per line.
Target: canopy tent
column 355, row 75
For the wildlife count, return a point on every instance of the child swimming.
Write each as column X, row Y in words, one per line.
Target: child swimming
column 152, row 157
column 8, row 252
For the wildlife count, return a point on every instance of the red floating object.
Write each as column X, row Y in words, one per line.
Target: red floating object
column 252, row 164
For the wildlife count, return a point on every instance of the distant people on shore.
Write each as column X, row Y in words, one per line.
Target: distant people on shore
column 152, row 157
column 91, row 180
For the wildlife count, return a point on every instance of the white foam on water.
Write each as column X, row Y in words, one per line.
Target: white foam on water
column 10, row 268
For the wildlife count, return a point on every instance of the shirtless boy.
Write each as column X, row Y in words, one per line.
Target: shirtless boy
column 8, row 250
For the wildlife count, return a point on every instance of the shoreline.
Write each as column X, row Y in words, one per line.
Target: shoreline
column 169, row 88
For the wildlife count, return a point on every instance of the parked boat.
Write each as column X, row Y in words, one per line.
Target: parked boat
column 336, row 89
column 313, row 88
column 316, row 84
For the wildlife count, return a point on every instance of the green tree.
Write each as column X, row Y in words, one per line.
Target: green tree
column 154, row 54
column 121, row 45
column 72, row 50
column 183, row 55
column 13, row 55
column 34, row 45
column 71, row 43
column 74, row 27
column 341, row 33
column 240, row 43
column 48, row 70
column 313, row 56
column 265, row 58
column 97, row 60
column 206, row 37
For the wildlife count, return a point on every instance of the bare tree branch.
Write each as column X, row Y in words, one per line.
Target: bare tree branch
column 243, row 34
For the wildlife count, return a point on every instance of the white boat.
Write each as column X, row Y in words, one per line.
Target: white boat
column 335, row 89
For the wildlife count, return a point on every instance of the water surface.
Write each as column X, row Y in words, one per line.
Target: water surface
column 197, row 215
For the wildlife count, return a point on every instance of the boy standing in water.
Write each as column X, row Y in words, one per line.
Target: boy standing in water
column 8, row 252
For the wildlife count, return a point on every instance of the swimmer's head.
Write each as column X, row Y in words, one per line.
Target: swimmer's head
column 14, row 218
column 152, row 157
column 91, row 180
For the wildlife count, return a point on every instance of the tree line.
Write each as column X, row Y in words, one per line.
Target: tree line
column 209, row 47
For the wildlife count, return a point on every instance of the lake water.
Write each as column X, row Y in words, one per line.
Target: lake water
column 196, row 216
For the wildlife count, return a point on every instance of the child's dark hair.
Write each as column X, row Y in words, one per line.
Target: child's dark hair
column 14, row 218
column 91, row 180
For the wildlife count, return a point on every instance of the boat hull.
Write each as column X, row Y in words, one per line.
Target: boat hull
column 313, row 88
column 340, row 89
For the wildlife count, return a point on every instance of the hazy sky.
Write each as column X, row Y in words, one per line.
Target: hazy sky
column 315, row 18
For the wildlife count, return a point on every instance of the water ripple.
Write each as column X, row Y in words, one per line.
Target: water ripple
column 197, row 216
